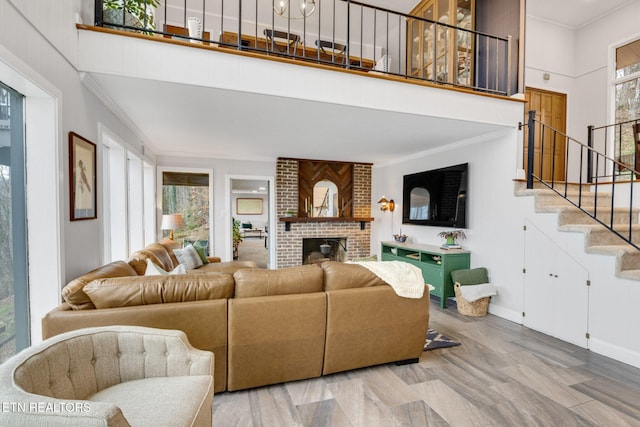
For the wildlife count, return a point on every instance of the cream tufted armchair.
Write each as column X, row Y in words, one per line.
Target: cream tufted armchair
column 108, row 376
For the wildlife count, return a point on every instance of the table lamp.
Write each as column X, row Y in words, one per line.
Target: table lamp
column 171, row 222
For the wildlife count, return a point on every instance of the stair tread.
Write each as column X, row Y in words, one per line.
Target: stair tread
column 597, row 227
column 620, row 249
column 629, row 274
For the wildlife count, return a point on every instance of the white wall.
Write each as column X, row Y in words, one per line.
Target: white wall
column 491, row 223
column 38, row 41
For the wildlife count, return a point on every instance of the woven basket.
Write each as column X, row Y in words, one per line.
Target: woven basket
column 477, row 308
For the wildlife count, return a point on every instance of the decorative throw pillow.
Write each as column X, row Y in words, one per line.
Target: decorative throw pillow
column 155, row 270
column 201, row 249
column 188, row 256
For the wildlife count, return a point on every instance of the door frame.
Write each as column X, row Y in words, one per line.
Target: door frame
column 271, row 236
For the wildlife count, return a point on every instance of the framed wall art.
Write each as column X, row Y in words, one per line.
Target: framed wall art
column 249, row 206
column 82, row 178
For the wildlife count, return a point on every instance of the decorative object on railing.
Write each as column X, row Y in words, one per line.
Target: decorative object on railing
column 195, row 29
column 306, row 8
column 588, row 159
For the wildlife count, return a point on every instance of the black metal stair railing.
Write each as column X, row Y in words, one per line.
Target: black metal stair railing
column 369, row 34
column 623, row 140
column 584, row 160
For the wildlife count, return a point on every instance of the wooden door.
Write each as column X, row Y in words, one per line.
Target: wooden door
column 549, row 149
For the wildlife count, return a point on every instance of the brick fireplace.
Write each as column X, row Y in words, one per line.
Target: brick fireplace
column 355, row 227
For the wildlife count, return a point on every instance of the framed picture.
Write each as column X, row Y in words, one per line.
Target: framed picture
column 249, row 206
column 82, row 178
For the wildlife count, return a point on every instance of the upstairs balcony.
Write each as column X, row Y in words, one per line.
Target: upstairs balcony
column 435, row 43
column 234, row 92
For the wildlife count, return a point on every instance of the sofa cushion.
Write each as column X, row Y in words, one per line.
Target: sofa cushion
column 154, row 270
column 188, row 256
column 292, row 280
column 75, row 296
column 157, row 252
column 142, row 290
column 162, row 401
column 340, row 275
column 224, row 267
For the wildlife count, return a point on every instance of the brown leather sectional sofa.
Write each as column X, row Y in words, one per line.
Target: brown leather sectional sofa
column 264, row 326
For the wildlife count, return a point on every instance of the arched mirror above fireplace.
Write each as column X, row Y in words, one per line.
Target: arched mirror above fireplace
column 325, row 199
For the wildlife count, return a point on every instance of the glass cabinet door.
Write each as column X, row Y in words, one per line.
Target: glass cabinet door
column 440, row 52
column 464, row 43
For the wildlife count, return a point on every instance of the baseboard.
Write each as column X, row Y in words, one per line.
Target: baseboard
column 616, row 352
column 505, row 313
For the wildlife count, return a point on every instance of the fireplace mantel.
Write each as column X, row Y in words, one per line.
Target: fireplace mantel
column 289, row 219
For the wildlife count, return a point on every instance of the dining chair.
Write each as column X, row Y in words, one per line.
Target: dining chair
column 336, row 51
column 289, row 40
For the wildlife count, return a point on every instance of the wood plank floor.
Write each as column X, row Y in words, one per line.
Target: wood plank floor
column 503, row 374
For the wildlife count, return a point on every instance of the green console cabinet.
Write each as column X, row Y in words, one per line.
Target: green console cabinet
column 436, row 264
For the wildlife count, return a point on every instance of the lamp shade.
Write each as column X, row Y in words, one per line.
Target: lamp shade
column 172, row 222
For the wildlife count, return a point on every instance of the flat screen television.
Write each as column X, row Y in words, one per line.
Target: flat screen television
column 436, row 197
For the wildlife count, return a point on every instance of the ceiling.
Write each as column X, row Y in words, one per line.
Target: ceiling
column 195, row 121
column 182, row 120
column 572, row 13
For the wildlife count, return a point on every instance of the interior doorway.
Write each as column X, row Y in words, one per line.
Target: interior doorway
column 250, row 215
column 549, row 152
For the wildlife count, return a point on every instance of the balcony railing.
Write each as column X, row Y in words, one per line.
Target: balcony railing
column 341, row 33
column 620, row 141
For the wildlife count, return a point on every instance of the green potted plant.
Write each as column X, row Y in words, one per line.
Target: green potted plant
column 137, row 13
column 236, row 236
column 452, row 236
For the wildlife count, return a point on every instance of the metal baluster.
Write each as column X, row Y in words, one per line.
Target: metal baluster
column 553, row 158
column 239, row 24
column 530, row 148
column 508, row 87
column 566, row 169
column 347, row 59
column 222, row 17
column 580, row 175
column 590, row 158
column 98, row 17
column 386, row 60
column 497, row 83
column 184, row 20
column 361, row 32
column 204, row 16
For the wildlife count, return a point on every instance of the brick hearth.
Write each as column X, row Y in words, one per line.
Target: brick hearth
column 289, row 243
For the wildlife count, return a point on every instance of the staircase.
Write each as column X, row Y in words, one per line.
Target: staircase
column 597, row 238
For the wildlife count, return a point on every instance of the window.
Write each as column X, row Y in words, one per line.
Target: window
column 14, row 303
column 187, row 194
column 627, row 99
column 128, row 196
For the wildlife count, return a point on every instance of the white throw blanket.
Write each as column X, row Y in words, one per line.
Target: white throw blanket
column 406, row 279
column 474, row 292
